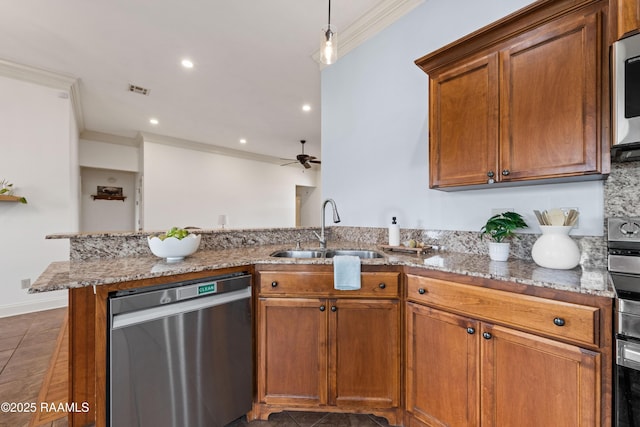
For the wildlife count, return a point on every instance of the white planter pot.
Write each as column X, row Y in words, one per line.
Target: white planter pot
column 499, row 251
column 555, row 249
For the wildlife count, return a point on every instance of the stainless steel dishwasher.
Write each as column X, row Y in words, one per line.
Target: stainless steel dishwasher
column 180, row 354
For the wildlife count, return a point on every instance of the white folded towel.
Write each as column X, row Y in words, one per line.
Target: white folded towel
column 346, row 272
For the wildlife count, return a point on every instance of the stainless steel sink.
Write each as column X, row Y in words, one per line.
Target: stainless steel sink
column 357, row 252
column 300, row 253
column 329, row 253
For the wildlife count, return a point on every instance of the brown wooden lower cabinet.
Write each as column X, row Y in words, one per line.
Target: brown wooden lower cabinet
column 364, row 354
column 292, row 362
column 442, row 370
column 476, row 352
column 462, row 372
column 470, row 362
column 328, row 354
column 533, row 381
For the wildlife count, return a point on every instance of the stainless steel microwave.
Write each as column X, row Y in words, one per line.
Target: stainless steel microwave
column 626, row 99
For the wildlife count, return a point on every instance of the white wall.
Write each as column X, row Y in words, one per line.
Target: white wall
column 375, row 133
column 103, row 155
column 101, row 161
column 36, row 147
column 107, row 215
column 310, row 205
column 184, row 187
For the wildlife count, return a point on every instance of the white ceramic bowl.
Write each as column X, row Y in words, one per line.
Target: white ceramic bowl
column 173, row 249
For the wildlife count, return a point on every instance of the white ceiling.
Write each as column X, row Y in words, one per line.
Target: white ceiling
column 253, row 63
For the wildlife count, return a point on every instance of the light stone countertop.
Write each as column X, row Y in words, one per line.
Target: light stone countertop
column 95, row 272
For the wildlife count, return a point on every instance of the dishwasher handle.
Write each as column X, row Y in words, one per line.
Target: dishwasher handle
column 124, row 320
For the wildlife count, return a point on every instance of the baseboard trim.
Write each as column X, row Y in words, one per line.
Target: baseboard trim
column 30, row 307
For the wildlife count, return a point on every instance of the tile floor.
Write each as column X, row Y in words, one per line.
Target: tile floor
column 27, row 342
column 314, row 419
column 26, row 345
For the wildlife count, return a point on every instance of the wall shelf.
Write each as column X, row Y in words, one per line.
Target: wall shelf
column 6, row 198
column 105, row 197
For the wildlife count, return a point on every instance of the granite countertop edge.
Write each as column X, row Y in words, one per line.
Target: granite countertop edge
column 196, row 230
column 76, row 274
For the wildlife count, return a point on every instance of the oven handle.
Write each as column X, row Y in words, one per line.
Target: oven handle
column 628, row 354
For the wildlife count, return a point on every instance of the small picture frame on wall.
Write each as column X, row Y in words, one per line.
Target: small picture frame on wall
column 109, row 191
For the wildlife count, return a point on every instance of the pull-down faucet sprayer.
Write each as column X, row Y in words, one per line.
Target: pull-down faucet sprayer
column 336, row 219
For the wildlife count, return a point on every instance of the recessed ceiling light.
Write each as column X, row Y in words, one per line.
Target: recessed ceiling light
column 154, row 121
column 243, row 141
column 306, row 107
column 186, row 63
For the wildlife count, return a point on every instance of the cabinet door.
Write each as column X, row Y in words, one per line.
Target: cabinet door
column 364, row 353
column 464, row 123
column 628, row 14
column 533, row 381
column 549, row 100
column 442, row 371
column 292, row 351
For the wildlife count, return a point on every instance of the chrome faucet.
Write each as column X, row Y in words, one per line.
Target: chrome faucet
column 336, row 219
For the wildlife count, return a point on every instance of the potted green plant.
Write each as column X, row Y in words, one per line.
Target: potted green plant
column 501, row 229
column 6, row 188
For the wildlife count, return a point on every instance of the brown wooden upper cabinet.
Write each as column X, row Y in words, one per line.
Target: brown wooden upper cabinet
column 628, row 17
column 524, row 100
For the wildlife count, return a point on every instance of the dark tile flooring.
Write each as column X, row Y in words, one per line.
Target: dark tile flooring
column 27, row 342
column 315, row 419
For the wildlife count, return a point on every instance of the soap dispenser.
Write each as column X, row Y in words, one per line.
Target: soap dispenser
column 394, row 233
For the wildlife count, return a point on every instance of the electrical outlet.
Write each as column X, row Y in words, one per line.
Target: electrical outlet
column 25, row 283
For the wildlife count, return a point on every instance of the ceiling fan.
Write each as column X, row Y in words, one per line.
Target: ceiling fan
column 303, row 159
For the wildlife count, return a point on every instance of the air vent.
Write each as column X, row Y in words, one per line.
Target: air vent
column 138, row 89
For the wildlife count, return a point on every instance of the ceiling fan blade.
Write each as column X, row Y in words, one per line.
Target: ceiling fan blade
column 302, row 158
column 290, row 163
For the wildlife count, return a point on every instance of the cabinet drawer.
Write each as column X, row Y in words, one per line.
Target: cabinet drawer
column 373, row 284
column 573, row 322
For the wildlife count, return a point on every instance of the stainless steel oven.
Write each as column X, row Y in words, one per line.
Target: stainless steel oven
column 627, row 370
column 624, row 271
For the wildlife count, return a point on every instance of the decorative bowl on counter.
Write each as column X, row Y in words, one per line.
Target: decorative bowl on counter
column 174, row 249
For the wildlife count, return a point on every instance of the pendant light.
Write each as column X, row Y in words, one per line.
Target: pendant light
column 329, row 43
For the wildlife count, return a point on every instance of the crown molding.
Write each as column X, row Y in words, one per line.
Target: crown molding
column 50, row 79
column 76, row 104
column 36, row 75
column 371, row 23
column 92, row 135
column 208, row 148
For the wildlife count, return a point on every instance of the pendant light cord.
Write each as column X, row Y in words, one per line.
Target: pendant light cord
column 329, row 12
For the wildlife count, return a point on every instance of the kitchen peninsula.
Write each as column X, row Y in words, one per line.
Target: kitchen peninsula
column 555, row 323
